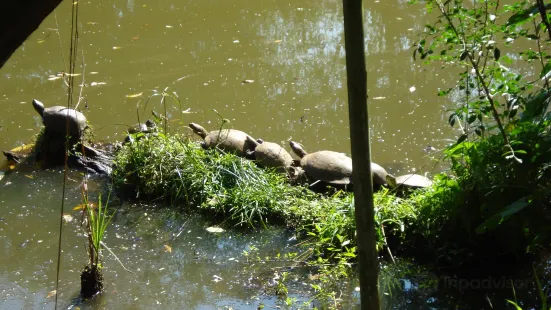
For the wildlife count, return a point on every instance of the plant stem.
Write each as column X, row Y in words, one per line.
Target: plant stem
column 543, row 14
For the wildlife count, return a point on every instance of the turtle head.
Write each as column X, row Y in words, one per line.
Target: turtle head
column 150, row 124
column 38, row 106
column 391, row 180
column 252, row 141
column 199, row 130
column 297, row 149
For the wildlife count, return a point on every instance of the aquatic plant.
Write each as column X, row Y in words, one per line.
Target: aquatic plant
column 95, row 221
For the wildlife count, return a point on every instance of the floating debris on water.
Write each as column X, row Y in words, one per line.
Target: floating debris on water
column 247, row 81
column 67, row 218
column 216, row 279
column 214, row 229
column 51, row 294
column 134, row 95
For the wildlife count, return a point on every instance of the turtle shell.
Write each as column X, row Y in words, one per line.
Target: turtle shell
column 229, row 140
column 147, row 127
column 55, row 118
column 272, row 155
column 379, row 174
column 140, row 127
column 413, row 181
column 328, row 166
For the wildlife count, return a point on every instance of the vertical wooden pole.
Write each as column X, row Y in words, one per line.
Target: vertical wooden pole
column 361, row 157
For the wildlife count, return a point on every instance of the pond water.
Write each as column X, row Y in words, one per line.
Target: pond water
column 204, row 50
column 275, row 69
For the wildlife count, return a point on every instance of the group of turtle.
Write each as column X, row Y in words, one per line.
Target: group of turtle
column 329, row 167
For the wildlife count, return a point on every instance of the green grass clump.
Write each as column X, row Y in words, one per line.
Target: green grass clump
column 179, row 170
column 175, row 169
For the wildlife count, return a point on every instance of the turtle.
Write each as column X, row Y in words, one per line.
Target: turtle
column 270, row 155
column 327, row 166
column 379, row 174
column 412, row 181
column 148, row 127
column 229, row 140
column 55, row 119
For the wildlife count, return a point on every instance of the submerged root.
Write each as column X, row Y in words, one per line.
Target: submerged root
column 91, row 281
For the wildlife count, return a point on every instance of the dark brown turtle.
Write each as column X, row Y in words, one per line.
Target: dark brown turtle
column 55, row 119
column 327, row 166
column 270, row 155
column 229, row 140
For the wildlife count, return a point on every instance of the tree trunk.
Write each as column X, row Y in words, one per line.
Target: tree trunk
column 361, row 157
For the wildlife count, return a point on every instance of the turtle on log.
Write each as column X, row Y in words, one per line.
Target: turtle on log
column 270, row 155
column 229, row 140
column 57, row 119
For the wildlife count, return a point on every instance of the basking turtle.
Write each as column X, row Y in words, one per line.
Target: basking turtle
column 379, row 174
column 55, row 119
column 270, row 155
column 229, row 140
column 327, row 166
column 147, row 127
column 408, row 181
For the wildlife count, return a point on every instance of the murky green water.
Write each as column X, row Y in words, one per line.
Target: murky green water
column 175, row 262
column 203, row 50
column 293, row 52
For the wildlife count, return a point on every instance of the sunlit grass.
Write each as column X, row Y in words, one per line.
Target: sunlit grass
column 177, row 170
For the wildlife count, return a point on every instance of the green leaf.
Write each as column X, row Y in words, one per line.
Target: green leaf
column 545, row 70
column 462, row 138
column 451, row 120
column 499, row 217
column 514, row 304
column 524, row 15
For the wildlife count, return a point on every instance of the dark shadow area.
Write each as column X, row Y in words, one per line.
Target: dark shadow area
column 18, row 19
